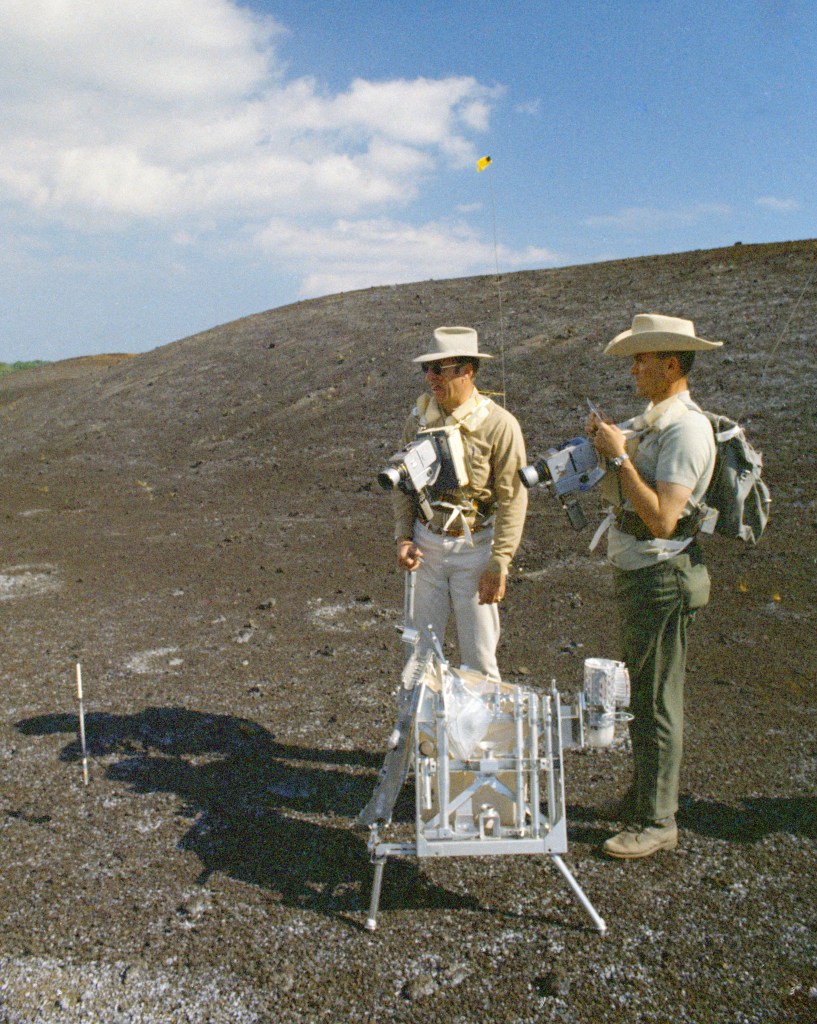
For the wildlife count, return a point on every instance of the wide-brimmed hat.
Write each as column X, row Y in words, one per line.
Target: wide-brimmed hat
column 653, row 333
column 453, row 342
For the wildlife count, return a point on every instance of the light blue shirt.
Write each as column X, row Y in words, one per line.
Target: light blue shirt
column 682, row 452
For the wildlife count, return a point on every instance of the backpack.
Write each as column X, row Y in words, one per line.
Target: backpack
column 736, row 491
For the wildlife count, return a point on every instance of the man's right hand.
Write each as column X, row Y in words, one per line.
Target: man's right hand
column 409, row 555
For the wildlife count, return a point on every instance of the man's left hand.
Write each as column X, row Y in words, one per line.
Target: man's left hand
column 491, row 588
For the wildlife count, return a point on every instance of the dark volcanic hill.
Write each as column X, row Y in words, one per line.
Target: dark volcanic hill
column 199, row 526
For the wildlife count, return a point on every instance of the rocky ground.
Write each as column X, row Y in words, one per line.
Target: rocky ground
column 199, row 528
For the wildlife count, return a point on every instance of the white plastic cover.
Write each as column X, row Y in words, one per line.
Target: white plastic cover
column 606, row 683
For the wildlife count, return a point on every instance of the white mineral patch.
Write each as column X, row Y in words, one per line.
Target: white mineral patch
column 341, row 617
column 150, row 661
column 28, row 581
column 329, row 615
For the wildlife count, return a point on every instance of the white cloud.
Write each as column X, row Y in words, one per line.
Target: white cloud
column 180, row 108
column 532, row 107
column 169, row 138
column 419, row 112
column 357, row 254
column 646, row 218
column 778, row 205
column 165, row 51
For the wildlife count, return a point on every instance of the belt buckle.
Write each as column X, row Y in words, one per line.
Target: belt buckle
column 442, row 532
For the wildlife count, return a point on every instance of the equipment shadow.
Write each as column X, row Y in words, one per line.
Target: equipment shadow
column 254, row 802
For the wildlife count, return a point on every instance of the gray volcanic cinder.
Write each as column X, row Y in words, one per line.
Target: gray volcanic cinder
column 199, row 526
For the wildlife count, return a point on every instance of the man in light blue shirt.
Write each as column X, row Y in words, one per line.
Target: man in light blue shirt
column 658, row 473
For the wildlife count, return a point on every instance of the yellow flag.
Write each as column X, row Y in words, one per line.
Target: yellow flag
column 483, row 162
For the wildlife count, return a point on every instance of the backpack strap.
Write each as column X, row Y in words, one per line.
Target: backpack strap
column 726, row 435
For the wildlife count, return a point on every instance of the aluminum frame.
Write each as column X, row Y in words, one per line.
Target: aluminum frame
column 488, row 805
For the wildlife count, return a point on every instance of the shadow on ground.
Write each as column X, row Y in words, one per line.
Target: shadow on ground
column 254, row 802
column 746, row 821
column 751, row 819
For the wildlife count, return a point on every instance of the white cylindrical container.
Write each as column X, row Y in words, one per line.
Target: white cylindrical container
column 601, row 727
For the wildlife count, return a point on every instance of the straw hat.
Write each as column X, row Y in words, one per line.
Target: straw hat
column 452, row 343
column 653, row 333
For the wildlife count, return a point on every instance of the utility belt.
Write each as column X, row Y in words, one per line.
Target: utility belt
column 458, row 521
column 455, row 531
column 632, row 524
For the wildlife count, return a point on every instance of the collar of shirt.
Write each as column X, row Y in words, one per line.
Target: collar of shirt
column 462, row 416
column 658, row 417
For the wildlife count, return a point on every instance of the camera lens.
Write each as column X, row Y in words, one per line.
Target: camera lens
column 531, row 475
column 390, row 477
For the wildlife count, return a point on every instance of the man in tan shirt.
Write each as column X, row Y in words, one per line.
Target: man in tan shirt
column 463, row 554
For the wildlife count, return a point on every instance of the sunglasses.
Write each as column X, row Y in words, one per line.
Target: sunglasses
column 437, row 368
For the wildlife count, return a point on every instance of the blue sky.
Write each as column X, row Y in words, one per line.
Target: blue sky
column 170, row 165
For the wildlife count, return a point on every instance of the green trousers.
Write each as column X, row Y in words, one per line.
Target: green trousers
column 656, row 606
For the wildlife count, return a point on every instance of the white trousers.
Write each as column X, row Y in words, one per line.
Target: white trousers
column 448, row 579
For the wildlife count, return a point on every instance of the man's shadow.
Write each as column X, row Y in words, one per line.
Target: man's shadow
column 746, row 821
column 254, row 802
column 750, row 819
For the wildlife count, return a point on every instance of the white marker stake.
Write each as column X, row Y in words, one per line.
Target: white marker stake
column 82, row 726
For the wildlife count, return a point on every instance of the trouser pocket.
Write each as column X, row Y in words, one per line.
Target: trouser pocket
column 695, row 586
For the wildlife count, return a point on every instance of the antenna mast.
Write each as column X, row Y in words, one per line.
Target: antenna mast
column 481, row 166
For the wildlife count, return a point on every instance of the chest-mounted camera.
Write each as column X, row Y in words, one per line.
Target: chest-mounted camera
column 431, row 464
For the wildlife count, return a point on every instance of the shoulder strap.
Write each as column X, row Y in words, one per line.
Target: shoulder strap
column 478, row 415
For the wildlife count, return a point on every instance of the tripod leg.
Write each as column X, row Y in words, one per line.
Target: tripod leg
column 579, row 893
column 374, row 903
